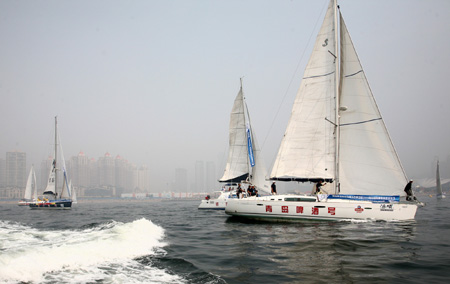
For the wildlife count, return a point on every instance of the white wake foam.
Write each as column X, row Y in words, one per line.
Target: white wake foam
column 29, row 254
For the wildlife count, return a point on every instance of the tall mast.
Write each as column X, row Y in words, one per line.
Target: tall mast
column 337, row 94
column 56, row 154
column 245, row 110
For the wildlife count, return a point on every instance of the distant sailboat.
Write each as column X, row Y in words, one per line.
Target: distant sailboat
column 50, row 198
column 30, row 189
column 244, row 164
column 335, row 137
column 74, row 193
column 439, row 193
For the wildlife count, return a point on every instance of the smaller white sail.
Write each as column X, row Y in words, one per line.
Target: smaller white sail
column 51, row 179
column 65, row 191
column 30, row 182
column 34, row 194
column 73, row 193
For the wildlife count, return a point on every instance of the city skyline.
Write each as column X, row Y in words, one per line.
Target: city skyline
column 108, row 172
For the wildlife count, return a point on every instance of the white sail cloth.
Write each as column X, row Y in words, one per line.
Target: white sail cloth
column 336, row 131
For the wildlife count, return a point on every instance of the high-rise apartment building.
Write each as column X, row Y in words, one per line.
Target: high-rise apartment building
column 106, row 170
column 2, row 173
column 180, row 180
column 79, row 171
column 16, row 169
column 143, row 179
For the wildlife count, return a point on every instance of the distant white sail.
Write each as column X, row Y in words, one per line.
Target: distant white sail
column 51, row 179
column 237, row 165
column 65, row 190
column 30, row 189
column 73, row 193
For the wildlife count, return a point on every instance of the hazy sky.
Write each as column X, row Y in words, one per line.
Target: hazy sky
column 154, row 81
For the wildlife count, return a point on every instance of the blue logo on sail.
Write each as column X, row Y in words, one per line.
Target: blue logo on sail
column 250, row 148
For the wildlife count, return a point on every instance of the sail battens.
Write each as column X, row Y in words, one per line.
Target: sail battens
column 356, row 73
column 318, row 76
column 360, row 122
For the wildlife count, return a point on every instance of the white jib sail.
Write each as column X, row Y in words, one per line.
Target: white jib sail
column 259, row 171
column 368, row 161
column 307, row 150
column 237, row 164
column 65, row 191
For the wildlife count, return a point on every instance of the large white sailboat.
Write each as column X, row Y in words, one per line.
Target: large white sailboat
column 30, row 189
column 53, row 198
column 244, row 164
column 439, row 193
column 335, row 136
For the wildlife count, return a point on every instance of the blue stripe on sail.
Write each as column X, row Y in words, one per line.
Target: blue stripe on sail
column 373, row 198
column 250, row 148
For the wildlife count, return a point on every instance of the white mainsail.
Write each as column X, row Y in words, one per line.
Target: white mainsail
column 307, row 151
column 368, row 162
column 237, row 163
column 31, row 187
column 336, row 132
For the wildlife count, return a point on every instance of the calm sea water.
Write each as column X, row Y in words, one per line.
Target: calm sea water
column 174, row 242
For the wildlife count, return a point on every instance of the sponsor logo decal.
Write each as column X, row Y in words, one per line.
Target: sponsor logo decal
column 332, row 210
column 359, row 209
column 386, row 207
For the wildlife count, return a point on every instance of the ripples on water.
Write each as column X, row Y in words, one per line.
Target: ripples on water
column 174, row 242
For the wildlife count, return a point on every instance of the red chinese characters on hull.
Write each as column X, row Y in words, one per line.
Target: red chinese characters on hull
column 300, row 209
column 315, row 211
column 268, row 208
column 284, row 209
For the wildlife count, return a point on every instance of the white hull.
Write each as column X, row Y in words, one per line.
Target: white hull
column 275, row 208
column 213, row 204
column 218, row 203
